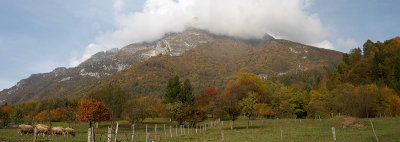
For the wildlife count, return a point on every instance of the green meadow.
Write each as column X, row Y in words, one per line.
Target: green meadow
column 347, row 129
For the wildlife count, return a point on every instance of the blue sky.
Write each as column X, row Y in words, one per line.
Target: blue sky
column 38, row 36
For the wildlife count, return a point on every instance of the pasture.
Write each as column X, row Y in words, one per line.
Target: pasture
column 297, row 130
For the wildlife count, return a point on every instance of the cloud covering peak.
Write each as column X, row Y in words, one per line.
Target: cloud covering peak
column 285, row 19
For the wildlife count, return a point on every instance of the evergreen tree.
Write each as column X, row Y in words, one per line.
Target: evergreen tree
column 173, row 90
column 186, row 95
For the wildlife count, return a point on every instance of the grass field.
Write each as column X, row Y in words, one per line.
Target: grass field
column 304, row 130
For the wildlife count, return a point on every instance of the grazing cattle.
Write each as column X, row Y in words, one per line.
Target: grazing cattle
column 70, row 131
column 25, row 129
column 42, row 129
column 58, row 131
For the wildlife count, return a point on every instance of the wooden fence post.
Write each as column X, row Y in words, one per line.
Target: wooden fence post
column 147, row 137
column 89, row 133
column 222, row 135
column 93, row 135
column 196, row 129
column 133, row 132
column 116, row 133
column 334, row 133
column 170, row 130
column 146, row 129
column 109, row 134
column 34, row 133
column 373, row 130
column 281, row 134
column 165, row 133
column 155, row 131
column 176, row 130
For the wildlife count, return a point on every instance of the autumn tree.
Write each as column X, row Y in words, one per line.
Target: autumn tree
column 138, row 109
column 158, row 106
column 206, row 100
column 5, row 112
column 344, row 99
column 263, row 110
column 42, row 116
column 193, row 114
column 229, row 100
column 114, row 98
column 368, row 48
column 355, row 55
column 183, row 112
column 378, row 66
column 57, row 115
column 69, row 109
column 285, row 111
column 292, row 97
column 247, row 106
column 17, row 115
column 92, row 110
column 394, row 104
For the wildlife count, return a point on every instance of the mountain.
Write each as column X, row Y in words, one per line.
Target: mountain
column 204, row 58
column 62, row 81
column 219, row 61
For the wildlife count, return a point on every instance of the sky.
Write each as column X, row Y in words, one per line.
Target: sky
column 38, row 36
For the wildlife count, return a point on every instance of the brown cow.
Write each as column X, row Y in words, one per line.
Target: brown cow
column 25, row 129
column 58, row 131
column 70, row 131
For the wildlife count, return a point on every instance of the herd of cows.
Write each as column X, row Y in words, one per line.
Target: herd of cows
column 45, row 130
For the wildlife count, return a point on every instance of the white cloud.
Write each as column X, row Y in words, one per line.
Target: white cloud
column 324, row 44
column 118, row 6
column 240, row 18
column 349, row 43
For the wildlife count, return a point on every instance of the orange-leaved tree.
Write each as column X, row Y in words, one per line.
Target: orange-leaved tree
column 92, row 110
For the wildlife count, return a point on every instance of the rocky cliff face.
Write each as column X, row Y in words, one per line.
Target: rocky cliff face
column 102, row 64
